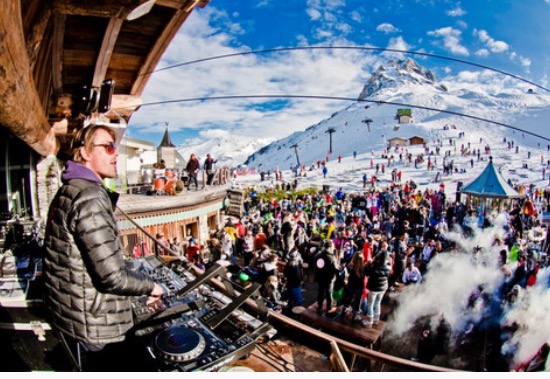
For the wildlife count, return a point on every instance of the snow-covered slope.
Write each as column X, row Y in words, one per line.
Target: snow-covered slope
column 366, row 125
column 229, row 151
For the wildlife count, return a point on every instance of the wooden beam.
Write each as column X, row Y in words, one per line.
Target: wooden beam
column 20, row 108
column 155, row 54
column 162, row 43
column 61, row 128
column 124, row 106
column 108, row 8
column 177, row 4
column 36, row 35
column 98, row 8
column 121, row 106
column 107, row 47
column 57, row 53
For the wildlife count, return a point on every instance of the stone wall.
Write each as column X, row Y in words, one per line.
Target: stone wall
column 48, row 180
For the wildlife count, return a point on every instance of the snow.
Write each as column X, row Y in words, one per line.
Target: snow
column 349, row 172
column 402, row 83
column 516, row 108
column 394, row 86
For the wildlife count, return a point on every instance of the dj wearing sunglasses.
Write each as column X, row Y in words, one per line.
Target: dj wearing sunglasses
column 88, row 287
column 110, row 147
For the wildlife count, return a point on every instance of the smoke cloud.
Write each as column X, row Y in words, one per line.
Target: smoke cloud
column 473, row 266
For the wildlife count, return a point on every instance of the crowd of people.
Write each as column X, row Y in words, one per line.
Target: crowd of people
column 361, row 246
column 171, row 182
column 358, row 245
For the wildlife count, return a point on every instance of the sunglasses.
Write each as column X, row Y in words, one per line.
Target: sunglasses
column 110, row 147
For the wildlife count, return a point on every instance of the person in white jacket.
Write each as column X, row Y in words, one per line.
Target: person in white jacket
column 412, row 274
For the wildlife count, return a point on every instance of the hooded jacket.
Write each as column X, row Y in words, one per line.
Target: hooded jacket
column 378, row 272
column 87, row 285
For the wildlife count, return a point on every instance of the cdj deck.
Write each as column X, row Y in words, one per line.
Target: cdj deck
column 194, row 327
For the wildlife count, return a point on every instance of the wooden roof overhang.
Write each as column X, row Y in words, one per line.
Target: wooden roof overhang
column 50, row 49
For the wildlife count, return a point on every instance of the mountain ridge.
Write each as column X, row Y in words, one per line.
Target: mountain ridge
column 366, row 124
column 404, row 82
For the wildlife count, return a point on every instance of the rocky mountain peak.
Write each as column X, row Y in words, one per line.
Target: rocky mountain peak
column 394, row 74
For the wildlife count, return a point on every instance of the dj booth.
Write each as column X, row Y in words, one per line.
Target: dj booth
column 202, row 323
column 196, row 326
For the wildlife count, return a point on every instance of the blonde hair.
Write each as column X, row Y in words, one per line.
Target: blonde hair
column 85, row 138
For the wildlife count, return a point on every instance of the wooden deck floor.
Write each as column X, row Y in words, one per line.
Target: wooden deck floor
column 343, row 327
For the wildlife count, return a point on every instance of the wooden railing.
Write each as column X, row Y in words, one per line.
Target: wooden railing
column 321, row 341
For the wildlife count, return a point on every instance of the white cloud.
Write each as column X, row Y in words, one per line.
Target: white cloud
column 462, row 24
column 322, row 9
column 494, row 46
column 329, row 19
column 387, row 28
column 491, row 44
column 544, row 81
column 214, row 133
column 485, row 81
column 525, row 62
column 398, row 43
column 313, row 14
column 356, row 16
column 482, row 53
column 210, row 32
column 457, row 11
column 299, row 72
column 326, row 4
column 451, row 40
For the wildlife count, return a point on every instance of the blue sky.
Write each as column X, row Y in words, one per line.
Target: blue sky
column 509, row 35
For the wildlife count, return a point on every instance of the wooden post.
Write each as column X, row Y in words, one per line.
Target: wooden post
column 20, row 108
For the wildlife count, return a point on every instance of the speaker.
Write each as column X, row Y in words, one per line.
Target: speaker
column 106, row 95
column 81, row 100
column 85, row 101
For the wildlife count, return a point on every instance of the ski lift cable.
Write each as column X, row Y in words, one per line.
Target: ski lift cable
column 340, row 98
column 363, row 48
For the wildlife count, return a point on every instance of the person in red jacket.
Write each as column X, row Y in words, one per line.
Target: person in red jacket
column 159, row 249
column 192, row 250
column 368, row 249
column 141, row 249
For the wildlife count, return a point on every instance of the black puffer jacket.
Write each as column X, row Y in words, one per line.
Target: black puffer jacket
column 378, row 272
column 326, row 266
column 86, row 281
